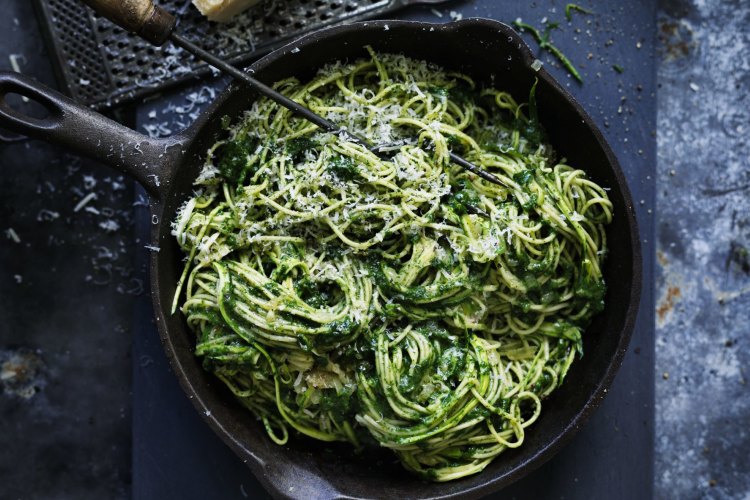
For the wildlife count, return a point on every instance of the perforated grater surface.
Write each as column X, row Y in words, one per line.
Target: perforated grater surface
column 102, row 66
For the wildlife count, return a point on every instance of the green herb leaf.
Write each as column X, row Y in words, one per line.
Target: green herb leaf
column 546, row 44
column 298, row 146
column 233, row 159
column 571, row 7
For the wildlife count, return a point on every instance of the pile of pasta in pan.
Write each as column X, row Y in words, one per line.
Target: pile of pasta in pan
column 393, row 300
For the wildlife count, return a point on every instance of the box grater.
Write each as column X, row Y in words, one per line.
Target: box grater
column 102, row 66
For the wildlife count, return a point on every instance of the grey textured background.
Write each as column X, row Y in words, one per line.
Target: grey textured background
column 703, row 227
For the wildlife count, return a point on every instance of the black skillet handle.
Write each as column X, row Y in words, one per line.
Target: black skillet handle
column 78, row 128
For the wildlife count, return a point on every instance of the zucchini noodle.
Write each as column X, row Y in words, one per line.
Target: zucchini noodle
column 399, row 302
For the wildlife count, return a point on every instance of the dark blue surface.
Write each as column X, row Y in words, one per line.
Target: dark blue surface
column 66, row 289
column 175, row 455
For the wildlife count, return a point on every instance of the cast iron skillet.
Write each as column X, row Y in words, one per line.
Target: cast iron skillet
column 488, row 51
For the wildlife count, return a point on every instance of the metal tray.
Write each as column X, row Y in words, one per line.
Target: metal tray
column 100, row 65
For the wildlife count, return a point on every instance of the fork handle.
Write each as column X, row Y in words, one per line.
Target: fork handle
column 140, row 17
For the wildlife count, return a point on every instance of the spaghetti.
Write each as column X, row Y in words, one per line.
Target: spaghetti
column 400, row 301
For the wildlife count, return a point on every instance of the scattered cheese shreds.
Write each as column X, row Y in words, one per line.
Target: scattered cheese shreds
column 109, row 225
column 15, row 61
column 11, row 234
column 84, row 201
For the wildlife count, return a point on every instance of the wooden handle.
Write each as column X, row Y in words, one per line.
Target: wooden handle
column 140, row 17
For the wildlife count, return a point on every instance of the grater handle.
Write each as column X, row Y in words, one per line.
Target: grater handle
column 140, row 17
column 150, row 161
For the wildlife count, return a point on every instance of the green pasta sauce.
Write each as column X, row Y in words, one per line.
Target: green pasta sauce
column 394, row 301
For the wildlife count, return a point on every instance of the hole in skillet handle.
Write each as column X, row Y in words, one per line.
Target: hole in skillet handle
column 41, row 113
column 27, row 107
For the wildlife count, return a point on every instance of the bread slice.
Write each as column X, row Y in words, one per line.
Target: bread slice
column 222, row 10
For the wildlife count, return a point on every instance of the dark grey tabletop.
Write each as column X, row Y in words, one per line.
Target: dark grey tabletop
column 72, row 274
